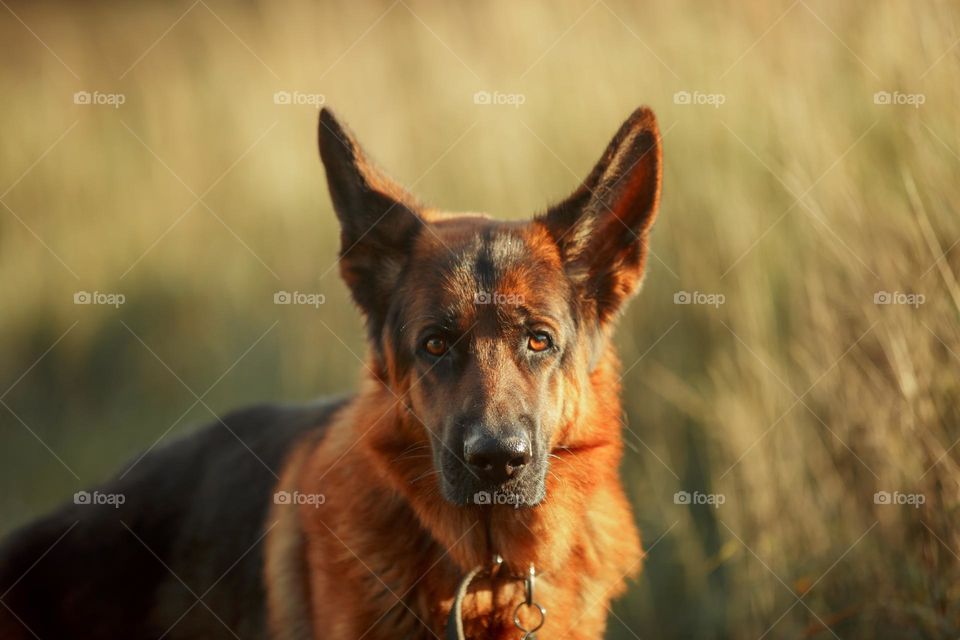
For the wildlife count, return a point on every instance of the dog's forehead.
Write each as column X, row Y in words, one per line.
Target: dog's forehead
column 470, row 261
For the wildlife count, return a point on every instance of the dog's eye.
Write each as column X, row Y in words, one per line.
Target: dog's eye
column 539, row 342
column 435, row 346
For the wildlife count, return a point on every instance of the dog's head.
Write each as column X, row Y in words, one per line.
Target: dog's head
column 485, row 330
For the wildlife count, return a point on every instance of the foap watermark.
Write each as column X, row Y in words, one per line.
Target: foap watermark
column 298, row 498
column 897, row 98
column 487, row 297
column 699, row 297
column 496, row 98
column 491, row 498
column 699, row 98
column 97, row 499
column 315, row 100
column 899, row 499
column 899, row 297
column 99, row 297
column 98, row 98
column 299, row 297
column 712, row 499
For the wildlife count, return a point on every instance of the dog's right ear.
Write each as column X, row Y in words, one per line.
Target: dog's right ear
column 378, row 221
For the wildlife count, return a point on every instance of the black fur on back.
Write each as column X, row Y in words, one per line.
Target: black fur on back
column 195, row 511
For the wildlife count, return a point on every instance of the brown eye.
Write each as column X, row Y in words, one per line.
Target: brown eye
column 435, row 346
column 539, row 342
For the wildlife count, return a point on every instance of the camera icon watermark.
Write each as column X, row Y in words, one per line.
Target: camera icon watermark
column 96, row 498
column 496, row 98
column 488, row 297
column 697, row 498
column 897, row 98
column 699, row 98
column 315, row 100
column 899, row 297
column 698, row 297
column 896, row 498
column 300, row 298
column 491, row 498
column 298, row 498
column 96, row 98
column 100, row 298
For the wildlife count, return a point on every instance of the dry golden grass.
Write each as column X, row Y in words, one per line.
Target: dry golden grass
column 797, row 199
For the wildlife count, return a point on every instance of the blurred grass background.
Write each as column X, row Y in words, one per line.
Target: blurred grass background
column 797, row 200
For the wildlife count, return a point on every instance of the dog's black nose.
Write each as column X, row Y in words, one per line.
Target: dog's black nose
column 496, row 459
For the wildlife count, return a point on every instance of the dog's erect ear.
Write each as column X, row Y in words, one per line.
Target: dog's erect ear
column 378, row 220
column 602, row 229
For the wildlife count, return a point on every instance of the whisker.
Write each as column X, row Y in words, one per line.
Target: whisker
column 415, row 446
column 403, row 327
column 425, row 475
column 408, row 453
column 412, row 457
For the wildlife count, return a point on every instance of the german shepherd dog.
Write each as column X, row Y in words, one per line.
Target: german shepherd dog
column 484, row 443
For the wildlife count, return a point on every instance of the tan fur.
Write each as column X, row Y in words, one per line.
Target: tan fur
column 379, row 539
column 384, row 553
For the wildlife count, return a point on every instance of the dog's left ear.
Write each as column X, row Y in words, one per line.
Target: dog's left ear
column 602, row 229
column 379, row 221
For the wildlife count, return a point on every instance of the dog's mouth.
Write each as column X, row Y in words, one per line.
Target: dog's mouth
column 462, row 486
